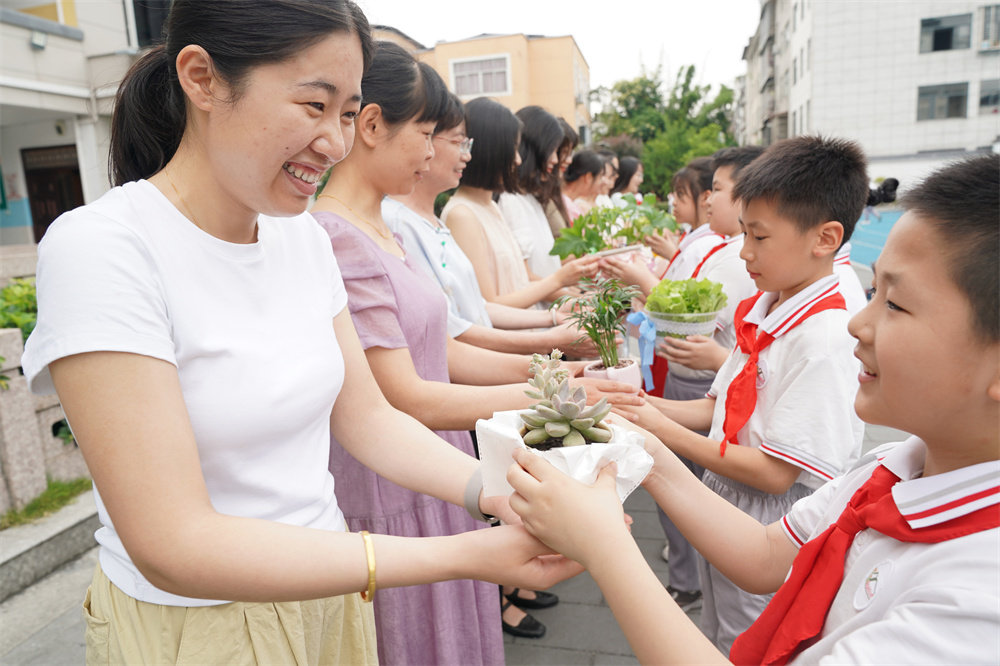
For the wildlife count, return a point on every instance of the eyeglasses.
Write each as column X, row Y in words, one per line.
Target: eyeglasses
column 464, row 145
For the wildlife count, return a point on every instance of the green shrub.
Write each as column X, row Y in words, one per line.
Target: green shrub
column 18, row 306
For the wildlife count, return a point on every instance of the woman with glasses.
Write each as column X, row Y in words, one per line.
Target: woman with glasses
column 478, row 225
column 429, row 243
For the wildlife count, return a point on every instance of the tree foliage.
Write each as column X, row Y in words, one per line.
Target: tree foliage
column 674, row 127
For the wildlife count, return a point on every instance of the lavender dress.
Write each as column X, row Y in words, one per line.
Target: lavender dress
column 395, row 305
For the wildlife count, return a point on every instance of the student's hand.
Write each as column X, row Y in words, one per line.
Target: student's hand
column 572, row 341
column 577, row 520
column 499, row 506
column 664, row 244
column 646, row 415
column 572, row 271
column 510, row 555
column 696, row 352
column 617, row 393
column 629, row 271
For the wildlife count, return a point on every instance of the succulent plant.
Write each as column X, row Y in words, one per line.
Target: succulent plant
column 560, row 414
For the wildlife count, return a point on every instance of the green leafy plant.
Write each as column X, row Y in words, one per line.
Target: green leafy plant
column 600, row 227
column 686, row 297
column 62, row 431
column 561, row 418
column 599, row 313
column 4, row 379
column 18, row 306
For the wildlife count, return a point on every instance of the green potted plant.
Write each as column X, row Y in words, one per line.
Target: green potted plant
column 679, row 308
column 608, row 227
column 600, row 313
column 561, row 417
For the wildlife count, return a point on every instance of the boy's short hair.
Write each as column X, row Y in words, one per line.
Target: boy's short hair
column 962, row 202
column 810, row 180
column 737, row 158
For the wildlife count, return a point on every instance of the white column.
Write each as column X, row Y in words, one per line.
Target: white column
column 92, row 158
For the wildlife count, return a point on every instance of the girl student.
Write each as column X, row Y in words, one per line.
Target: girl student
column 477, row 223
column 429, row 243
column 541, row 136
column 162, row 309
column 401, row 319
column 692, row 186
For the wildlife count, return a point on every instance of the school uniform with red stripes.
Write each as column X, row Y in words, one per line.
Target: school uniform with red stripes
column 907, row 600
column 802, row 413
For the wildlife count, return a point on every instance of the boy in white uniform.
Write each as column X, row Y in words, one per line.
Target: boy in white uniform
column 785, row 394
column 903, row 559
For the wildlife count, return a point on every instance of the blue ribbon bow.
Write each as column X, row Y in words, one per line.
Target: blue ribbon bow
column 647, row 339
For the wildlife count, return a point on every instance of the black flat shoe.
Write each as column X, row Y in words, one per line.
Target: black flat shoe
column 528, row 627
column 541, row 600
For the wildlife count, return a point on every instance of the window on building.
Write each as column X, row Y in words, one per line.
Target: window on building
column 795, row 71
column 945, row 33
column 947, row 101
column 802, row 120
column 487, row 76
column 989, row 96
column 809, row 115
column 150, row 15
column 809, row 53
column 795, row 124
column 991, row 28
column 795, row 17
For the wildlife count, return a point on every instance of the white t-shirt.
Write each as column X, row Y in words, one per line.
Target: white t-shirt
column 249, row 328
column 910, row 603
column 806, row 382
column 526, row 219
column 850, row 286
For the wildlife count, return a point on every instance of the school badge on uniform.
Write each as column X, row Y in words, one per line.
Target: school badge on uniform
column 762, row 374
column 870, row 586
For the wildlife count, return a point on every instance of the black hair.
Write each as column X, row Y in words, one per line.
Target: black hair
column 962, row 202
column 736, row 158
column 453, row 115
column 403, row 88
column 694, row 179
column 151, row 108
column 810, row 180
column 541, row 136
column 495, row 130
column 584, row 162
column 884, row 193
column 570, row 139
column 627, row 166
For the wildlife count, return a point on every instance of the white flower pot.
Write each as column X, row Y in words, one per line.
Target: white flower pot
column 629, row 374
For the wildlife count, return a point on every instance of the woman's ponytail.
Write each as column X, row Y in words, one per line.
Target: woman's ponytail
column 148, row 120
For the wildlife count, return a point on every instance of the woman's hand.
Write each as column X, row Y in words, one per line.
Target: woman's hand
column 573, row 341
column 664, row 244
column 695, row 351
column 510, row 555
column 572, row 271
column 577, row 520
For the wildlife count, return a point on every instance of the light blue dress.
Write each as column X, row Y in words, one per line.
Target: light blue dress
column 434, row 249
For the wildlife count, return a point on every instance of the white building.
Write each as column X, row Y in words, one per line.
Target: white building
column 917, row 83
column 61, row 64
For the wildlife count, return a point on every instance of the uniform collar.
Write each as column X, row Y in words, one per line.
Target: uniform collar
column 701, row 232
column 843, row 255
column 931, row 500
column 791, row 311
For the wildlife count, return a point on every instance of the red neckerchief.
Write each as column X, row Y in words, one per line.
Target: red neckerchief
column 798, row 610
column 741, row 396
column 692, row 237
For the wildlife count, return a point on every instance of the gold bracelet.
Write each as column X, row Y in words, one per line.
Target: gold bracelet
column 369, row 594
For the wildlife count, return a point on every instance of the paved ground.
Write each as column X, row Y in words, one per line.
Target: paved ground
column 42, row 625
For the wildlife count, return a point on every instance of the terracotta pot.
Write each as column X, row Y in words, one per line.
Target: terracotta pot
column 630, row 374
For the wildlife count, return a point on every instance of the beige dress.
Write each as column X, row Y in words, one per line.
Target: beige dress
column 506, row 257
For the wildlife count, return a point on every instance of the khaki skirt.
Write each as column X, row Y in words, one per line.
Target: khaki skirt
column 122, row 630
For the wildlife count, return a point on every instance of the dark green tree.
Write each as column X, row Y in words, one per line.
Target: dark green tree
column 674, row 128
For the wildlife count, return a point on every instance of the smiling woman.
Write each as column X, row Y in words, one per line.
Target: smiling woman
column 222, row 540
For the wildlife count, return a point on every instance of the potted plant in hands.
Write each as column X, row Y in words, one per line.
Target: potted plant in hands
column 679, row 308
column 600, row 313
column 561, row 418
